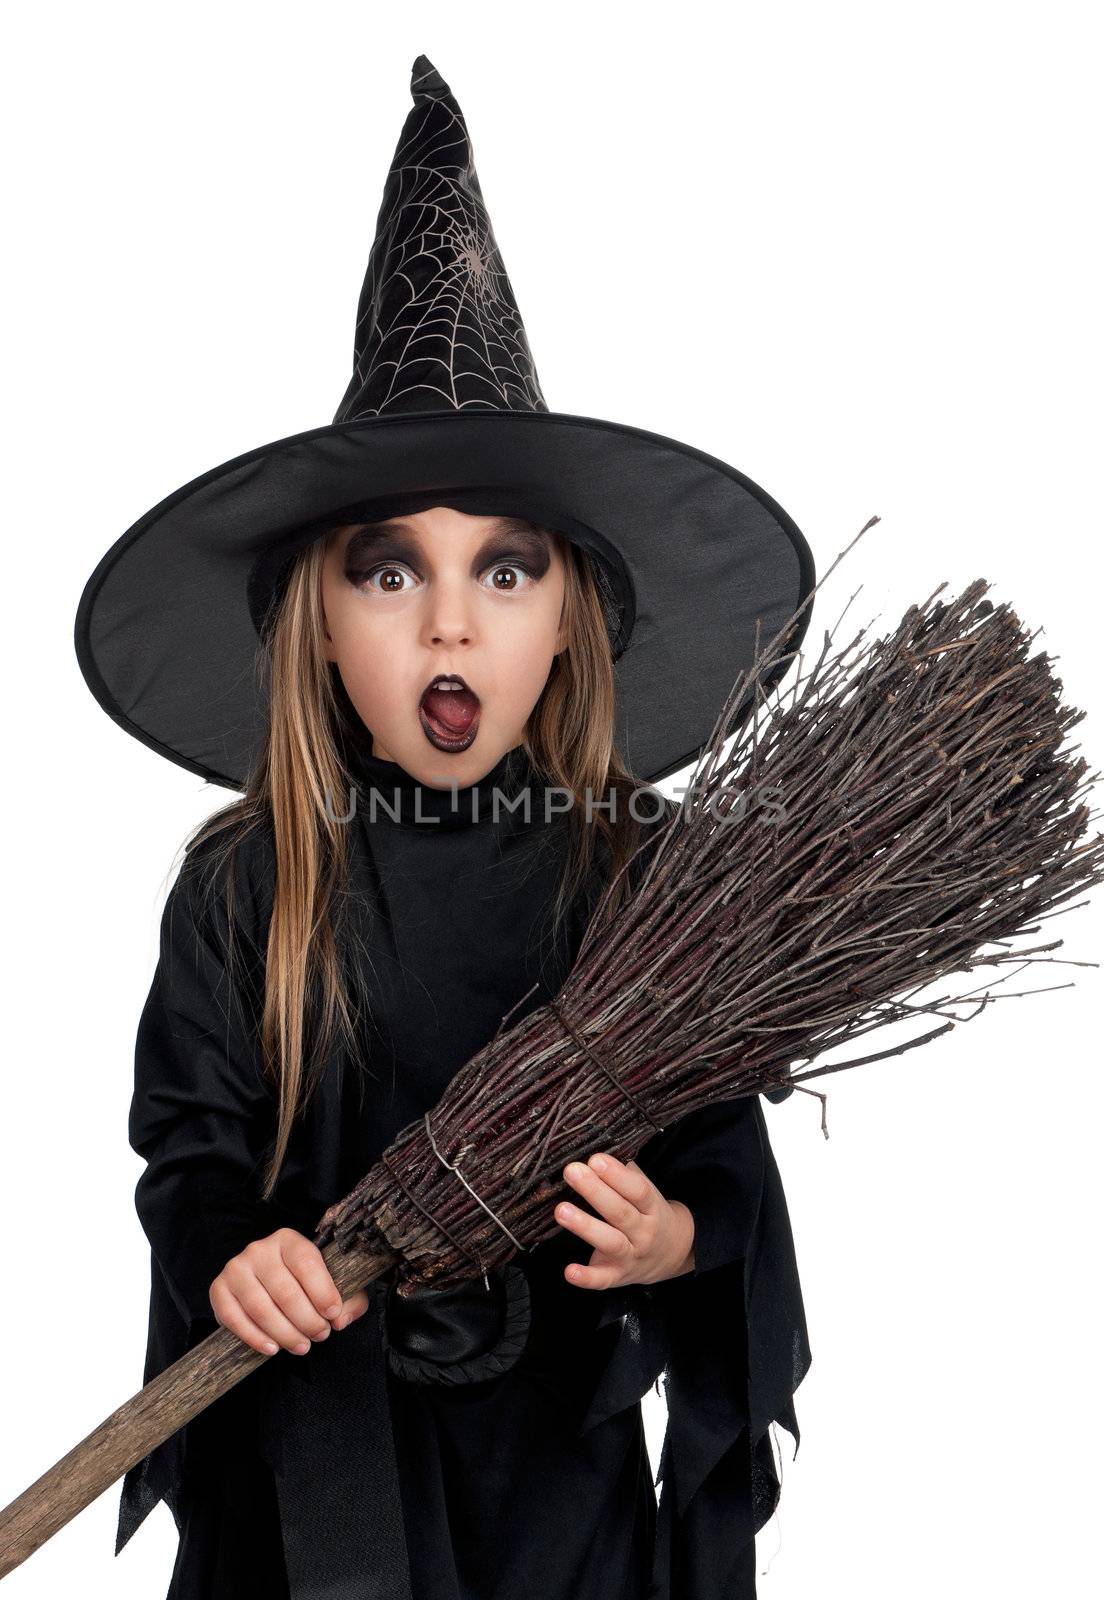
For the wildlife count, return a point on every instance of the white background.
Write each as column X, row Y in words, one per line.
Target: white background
column 852, row 250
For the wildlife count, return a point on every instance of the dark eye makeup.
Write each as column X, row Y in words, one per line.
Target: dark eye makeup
column 371, row 550
column 361, row 576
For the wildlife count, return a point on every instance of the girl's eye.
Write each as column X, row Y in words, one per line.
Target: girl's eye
column 391, row 574
column 517, row 583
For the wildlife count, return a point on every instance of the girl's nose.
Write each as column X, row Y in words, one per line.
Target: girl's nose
column 449, row 619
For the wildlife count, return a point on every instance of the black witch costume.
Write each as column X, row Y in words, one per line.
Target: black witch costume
column 484, row 1440
column 530, row 1473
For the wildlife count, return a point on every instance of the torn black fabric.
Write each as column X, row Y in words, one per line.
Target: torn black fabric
column 729, row 1343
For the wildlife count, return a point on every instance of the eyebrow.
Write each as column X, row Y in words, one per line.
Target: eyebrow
column 395, row 534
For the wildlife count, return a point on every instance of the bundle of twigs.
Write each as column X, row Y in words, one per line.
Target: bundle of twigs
column 900, row 815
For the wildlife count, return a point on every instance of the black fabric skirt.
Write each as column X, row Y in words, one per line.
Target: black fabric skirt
column 571, row 1525
column 230, row 1544
column 495, row 1510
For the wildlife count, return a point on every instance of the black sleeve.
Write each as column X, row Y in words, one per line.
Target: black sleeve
column 776, row 1096
column 712, row 1160
column 201, row 1111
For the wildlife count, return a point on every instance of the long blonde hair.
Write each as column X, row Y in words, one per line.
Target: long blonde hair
column 569, row 739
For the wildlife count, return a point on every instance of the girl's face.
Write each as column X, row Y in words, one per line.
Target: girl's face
column 441, row 592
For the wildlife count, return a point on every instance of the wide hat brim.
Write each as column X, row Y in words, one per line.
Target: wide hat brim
column 167, row 637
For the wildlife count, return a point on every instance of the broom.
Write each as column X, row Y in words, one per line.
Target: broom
column 904, row 808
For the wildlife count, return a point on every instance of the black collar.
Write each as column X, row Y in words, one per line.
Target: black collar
column 387, row 794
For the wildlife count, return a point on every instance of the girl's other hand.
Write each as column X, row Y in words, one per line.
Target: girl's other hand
column 278, row 1293
column 644, row 1238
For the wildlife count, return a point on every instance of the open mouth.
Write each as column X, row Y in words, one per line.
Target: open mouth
column 449, row 712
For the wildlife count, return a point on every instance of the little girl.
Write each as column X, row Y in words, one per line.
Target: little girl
column 406, row 640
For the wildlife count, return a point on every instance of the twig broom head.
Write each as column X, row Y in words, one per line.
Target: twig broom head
column 903, row 812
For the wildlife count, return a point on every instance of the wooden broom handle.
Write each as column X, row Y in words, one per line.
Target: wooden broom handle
column 166, row 1403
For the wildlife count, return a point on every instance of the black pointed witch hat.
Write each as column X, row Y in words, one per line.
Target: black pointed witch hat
column 444, row 407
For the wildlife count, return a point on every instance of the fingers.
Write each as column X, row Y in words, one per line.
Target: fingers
column 627, row 1225
column 308, row 1267
column 355, row 1306
column 275, row 1293
column 595, row 1277
column 260, row 1304
column 279, row 1293
column 622, row 1194
column 266, row 1330
column 603, row 1236
column 314, row 1296
column 623, row 1178
column 243, row 1304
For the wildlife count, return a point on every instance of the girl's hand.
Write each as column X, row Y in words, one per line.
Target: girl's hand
column 279, row 1292
column 644, row 1237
